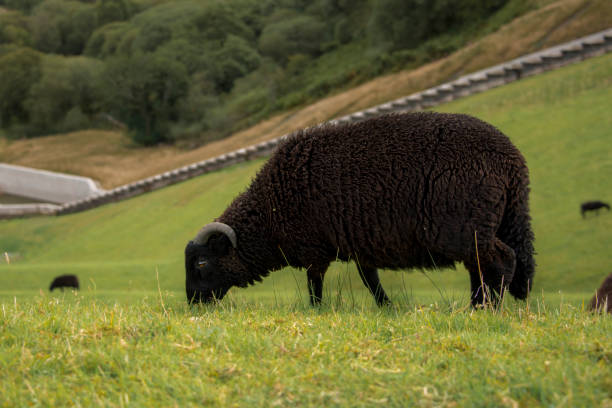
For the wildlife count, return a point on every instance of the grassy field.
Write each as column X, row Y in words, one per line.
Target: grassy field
column 127, row 338
column 77, row 351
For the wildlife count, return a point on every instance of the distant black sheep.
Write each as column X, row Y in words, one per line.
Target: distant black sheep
column 592, row 206
column 411, row 190
column 603, row 297
column 64, row 281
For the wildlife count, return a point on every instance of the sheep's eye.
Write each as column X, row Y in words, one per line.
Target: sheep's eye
column 201, row 263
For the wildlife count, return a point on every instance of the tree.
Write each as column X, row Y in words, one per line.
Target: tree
column 19, row 69
column 233, row 61
column 144, row 91
column 106, row 40
column 67, row 84
column 302, row 34
column 401, row 24
column 108, row 11
column 14, row 29
column 218, row 20
column 23, row 5
column 62, row 27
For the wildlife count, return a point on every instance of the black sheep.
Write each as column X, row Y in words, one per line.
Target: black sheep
column 64, row 281
column 592, row 206
column 413, row 190
column 603, row 297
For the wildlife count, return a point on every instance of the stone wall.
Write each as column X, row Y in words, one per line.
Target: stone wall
column 27, row 210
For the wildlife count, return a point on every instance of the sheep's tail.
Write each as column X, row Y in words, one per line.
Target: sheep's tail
column 515, row 231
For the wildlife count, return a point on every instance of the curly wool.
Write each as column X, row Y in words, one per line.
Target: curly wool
column 397, row 191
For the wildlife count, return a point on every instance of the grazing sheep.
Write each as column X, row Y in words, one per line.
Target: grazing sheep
column 64, row 281
column 413, row 190
column 603, row 297
column 592, row 206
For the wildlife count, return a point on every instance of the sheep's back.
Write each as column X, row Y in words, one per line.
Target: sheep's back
column 399, row 190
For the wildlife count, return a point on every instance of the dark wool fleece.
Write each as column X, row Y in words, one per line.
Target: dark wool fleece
column 397, row 191
column 65, row 281
column 603, row 297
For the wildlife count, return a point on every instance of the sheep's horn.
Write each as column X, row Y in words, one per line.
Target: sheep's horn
column 214, row 228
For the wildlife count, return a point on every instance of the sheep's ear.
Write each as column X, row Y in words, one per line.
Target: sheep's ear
column 219, row 244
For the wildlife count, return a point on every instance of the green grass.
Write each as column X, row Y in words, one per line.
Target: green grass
column 127, row 338
column 77, row 351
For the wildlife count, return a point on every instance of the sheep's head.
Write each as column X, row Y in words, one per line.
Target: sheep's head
column 209, row 258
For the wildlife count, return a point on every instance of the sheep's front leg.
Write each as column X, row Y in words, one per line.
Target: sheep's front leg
column 316, row 273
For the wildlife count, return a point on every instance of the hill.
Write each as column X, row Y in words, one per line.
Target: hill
column 185, row 70
column 559, row 120
column 111, row 157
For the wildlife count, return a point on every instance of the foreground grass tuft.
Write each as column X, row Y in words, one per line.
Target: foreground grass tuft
column 70, row 350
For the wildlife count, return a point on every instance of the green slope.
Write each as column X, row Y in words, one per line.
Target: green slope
column 560, row 120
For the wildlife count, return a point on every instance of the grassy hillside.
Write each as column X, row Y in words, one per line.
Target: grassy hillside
column 199, row 70
column 110, row 157
column 559, row 120
column 129, row 339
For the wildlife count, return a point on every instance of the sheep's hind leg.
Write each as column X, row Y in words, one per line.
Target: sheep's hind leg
column 316, row 274
column 369, row 276
column 497, row 270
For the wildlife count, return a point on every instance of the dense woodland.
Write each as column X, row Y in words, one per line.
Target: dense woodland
column 192, row 71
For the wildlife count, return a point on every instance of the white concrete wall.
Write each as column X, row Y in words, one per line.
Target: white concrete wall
column 45, row 185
